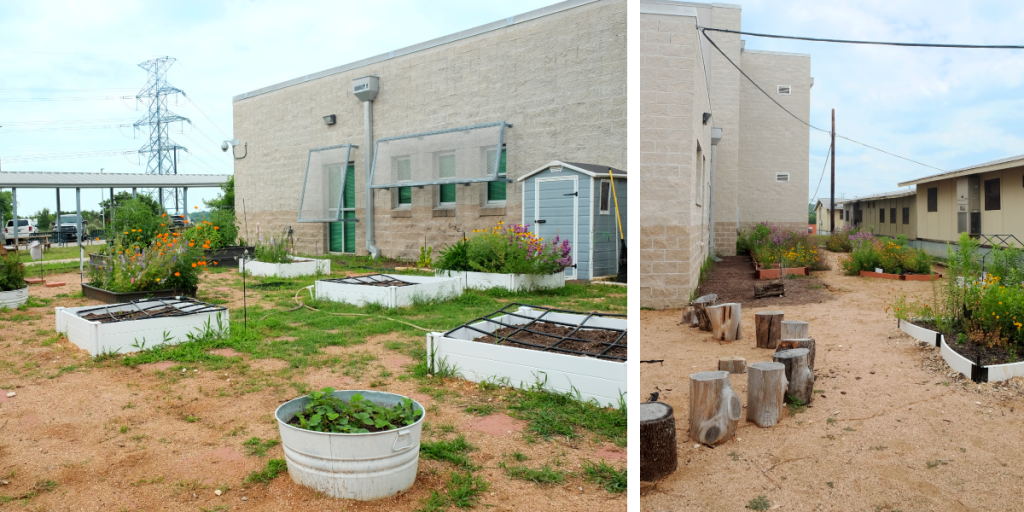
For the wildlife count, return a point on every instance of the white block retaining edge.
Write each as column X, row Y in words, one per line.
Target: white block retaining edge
column 128, row 336
column 299, row 267
column 601, row 380
column 993, row 373
column 512, row 282
column 424, row 288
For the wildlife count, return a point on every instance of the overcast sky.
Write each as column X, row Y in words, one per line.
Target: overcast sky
column 66, row 65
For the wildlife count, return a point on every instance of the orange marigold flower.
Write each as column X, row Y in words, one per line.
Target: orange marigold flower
column 177, row 273
column 193, row 265
column 216, row 228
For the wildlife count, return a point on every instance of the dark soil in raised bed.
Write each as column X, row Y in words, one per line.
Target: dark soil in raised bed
column 120, row 316
column 971, row 350
column 597, row 340
column 384, row 283
column 732, row 279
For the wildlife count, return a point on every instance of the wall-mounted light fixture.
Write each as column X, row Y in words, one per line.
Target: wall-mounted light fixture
column 331, row 119
column 231, row 144
column 707, row 115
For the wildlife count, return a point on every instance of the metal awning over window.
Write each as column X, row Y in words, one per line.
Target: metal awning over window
column 460, row 155
column 324, row 183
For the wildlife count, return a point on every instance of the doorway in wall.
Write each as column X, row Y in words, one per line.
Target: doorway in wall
column 343, row 234
column 555, row 213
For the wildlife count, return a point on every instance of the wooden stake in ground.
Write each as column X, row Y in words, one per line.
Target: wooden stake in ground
column 700, row 310
column 800, row 378
column 732, row 364
column 773, row 288
column 657, row 441
column 715, row 409
column 725, row 321
column 794, row 330
column 766, row 390
column 808, row 343
column 768, row 326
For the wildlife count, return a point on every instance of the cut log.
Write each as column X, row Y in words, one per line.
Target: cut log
column 773, row 288
column 800, row 378
column 715, row 409
column 657, row 441
column 732, row 364
column 795, row 330
column 689, row 317
column 725, row 321
column 768, row 327
column 807, row 343
column 700, row 310
column 766, row 390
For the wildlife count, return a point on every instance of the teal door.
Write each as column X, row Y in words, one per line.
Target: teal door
column 343, row 234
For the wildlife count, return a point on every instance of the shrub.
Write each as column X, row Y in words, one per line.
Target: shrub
column 841, row 239
column 273, row 250
column 511, row 249
column 136, row 219
column 892, row 256
column 772, row 246
column 12, row 273
column 169, row 261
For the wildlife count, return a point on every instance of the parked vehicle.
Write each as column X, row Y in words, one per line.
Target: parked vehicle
column 26, row 228
column 68, row 230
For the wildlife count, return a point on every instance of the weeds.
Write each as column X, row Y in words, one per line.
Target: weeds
column 274, row 468
column 454, row 451
column 255, row 446
column 613, row 480
column 759, row 503
column 544, row 475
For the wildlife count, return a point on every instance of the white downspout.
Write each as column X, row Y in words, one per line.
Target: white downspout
column 371, row 239
column 716, row 137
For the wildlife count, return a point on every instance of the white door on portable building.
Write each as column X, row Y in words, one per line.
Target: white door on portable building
column 556, row 207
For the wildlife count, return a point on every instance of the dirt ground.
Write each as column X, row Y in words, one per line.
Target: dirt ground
column 890, row 428
column 159, row 438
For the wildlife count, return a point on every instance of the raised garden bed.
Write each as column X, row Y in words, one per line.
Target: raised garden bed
column 959, row 358
column 139, row 324
column 109, row 297
column 521, row 345
column 13, row 298
column 388, row 290
column 367, row 466
column 98, row 260
column 774, row 273
column 298, row 267
column 900, row 277
column 226, row 255
column 511, row 282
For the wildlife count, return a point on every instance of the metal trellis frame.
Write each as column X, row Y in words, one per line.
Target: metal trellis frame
column 371, row 279
column 183, row 306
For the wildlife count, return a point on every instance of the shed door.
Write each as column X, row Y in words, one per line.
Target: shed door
column 343, row 234
column 555, row 211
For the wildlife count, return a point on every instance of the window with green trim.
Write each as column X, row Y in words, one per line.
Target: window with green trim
column 404, row 195
column 446, row 194
column 496, row 190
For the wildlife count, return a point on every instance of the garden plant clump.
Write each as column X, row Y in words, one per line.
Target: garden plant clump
column 773, row 246
column 326, row 413
column 506, row 249
column 148, row 259
column 893, row 256
column 841, row 240
column 273, row 250
column 981, row 313
column 12, row 273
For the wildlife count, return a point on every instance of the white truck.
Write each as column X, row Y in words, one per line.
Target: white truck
column 26, row 228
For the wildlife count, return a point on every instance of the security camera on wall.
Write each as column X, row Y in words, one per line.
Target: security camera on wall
column 224, row 146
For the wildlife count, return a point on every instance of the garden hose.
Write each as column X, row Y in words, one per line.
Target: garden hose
column 310, row 289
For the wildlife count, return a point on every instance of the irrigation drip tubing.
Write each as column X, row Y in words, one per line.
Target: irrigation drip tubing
column 302, row 305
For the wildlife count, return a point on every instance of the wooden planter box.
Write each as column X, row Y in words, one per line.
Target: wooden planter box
column 109, row 297
column 920, row 277
column 959, row 363
column 298, row 267
column 774, row 273
column 601, row 380
column 511, row 282
column 882, row 275
column 134, row 335
column 900, row 277
column 423, row 288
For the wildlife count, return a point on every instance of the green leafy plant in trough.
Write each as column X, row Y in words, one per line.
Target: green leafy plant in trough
column 327, row 413
column 274, row 468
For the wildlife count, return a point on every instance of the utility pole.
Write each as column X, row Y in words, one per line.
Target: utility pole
column 832, row 207
column 176, row 209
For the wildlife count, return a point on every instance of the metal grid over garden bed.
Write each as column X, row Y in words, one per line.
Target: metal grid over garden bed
column 148, row 308
column 545, row 333
column 371, row 280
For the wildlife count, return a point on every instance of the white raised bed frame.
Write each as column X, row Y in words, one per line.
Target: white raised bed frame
column 511, row 282
column 133, row 335
column 13, row 298
column 423, row 288
column 993, row 373
column 599, row 379
column 299, row 267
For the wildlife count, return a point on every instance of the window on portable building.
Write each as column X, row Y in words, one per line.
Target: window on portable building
column 933, row 199
column 892, row 215
column 992, row 194
column 881, row 215
column 906, row 215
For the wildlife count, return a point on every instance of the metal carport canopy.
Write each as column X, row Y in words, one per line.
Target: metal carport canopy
column 109, row 180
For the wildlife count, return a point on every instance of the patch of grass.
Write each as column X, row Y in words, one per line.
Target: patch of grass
column 454, row 451
column 613, row 480
column 759, row 503
column 543, row 476
column 850, row 429
column 734, row 455
column 519, row 457
column 878, row 448
column 38, row 488
column 795, row 405
column 550, row 413
column 258, row 447
column 274, row 468
column 935, row 463
column 831, row 421
column 480, row 410
column 464, row 489
column 831, row 485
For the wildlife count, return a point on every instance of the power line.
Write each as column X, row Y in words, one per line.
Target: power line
column 883, row 43
column 769, row 96
column 81, row 98
column 827, row 156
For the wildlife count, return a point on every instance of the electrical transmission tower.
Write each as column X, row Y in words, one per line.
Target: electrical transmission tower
column 161, row 150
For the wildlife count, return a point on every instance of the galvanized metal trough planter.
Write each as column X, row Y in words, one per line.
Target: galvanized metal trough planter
column 364, row 467
column 13, row 298
column 959, row 363
column 511, row 282
column 388, row 290
column 598, row 373
column 298, row 267
column 109, row 297
column 138, row 325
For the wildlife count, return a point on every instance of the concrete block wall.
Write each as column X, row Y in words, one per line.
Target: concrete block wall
column 673, row 98
column 560, row 79
column 726, row 84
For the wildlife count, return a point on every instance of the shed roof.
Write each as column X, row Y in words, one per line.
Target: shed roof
column 109, row 180
column 884, row 195
column 827, row 201
column 994, row 165
column 591, row 170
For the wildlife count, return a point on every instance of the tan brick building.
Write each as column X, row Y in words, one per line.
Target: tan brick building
column 716, row 154
column 557, row 75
